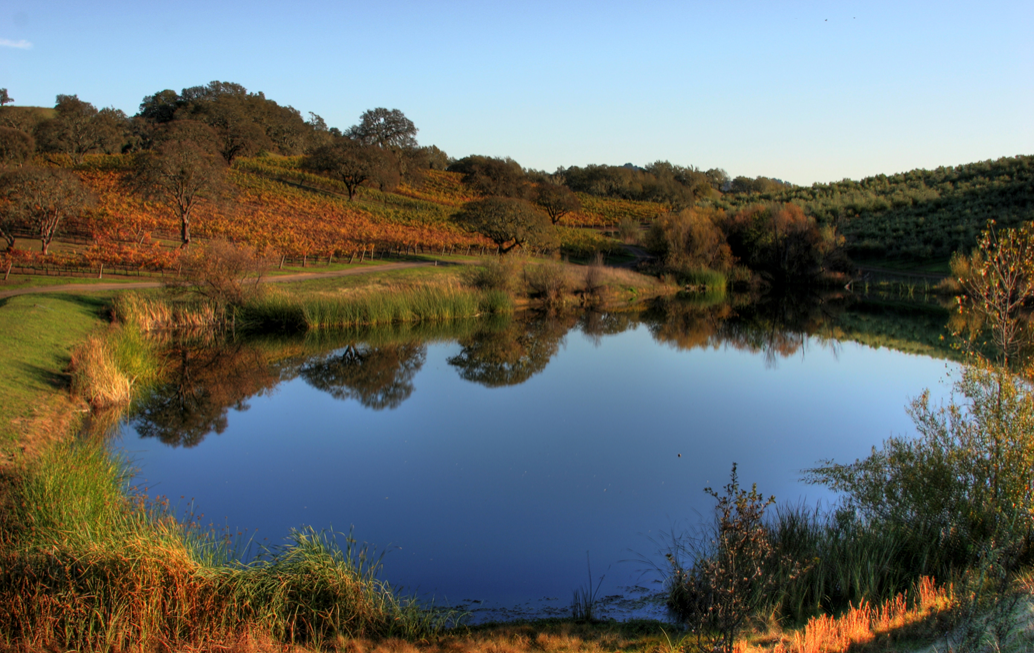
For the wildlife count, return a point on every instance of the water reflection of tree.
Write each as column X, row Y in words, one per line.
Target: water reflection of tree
column 780, row 326
column 688, row 325
column 775, row 327
column 377, row 377
column 513, row 353
column 597, row 324
column 204, row 383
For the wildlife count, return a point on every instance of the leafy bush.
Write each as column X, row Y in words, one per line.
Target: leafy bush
column 493, row 273
column 964, row 481
column 690, row 239
column 629, row 231
column 728, row 582
column 547, row 281
column 779, row 241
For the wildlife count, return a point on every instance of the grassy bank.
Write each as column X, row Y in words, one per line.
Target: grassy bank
column 85, row 563
column 421, row 304
column 39, row 332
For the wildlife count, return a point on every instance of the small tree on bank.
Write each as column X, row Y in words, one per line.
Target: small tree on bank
column 998, row 280
column 226, row 274
column 728, row 583
column 557, row 201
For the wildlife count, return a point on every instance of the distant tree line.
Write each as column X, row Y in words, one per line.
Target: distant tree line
column 202, row 130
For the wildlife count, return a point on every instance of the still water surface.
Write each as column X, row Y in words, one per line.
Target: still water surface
column 491, row 465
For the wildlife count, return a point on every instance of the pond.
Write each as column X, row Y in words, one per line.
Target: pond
column 494, row 461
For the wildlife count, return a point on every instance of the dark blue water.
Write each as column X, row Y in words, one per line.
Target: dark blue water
column 492, row 497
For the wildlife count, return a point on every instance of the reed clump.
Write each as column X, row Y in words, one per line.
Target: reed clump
column 96, row 377
column 499, row 273
column 415, row 304
column 547, row 281
column 158, row 313
column 106, row 368
column 704, row 280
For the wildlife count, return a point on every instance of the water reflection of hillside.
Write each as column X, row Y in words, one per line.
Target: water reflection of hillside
column 377, row 368
column 779, row 327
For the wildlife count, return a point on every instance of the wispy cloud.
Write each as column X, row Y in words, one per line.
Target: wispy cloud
column 8, row 43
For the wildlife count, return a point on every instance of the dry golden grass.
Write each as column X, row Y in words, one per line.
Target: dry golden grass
column 96, row 377
column 863, row 624
column 566, row 638
column 47, row 423
column 152, row 314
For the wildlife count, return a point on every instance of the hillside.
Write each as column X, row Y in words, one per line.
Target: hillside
column 279, row 204
column 284, row 211
column 918, row 215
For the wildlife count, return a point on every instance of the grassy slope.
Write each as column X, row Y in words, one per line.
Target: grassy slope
column 38, row 334
column 920, row 217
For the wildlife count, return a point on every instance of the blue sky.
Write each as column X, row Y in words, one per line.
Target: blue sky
column 803, row 91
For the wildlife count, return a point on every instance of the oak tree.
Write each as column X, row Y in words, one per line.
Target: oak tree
column 490, row 176
column 390, row 130
column 40, row 200
column 556, row 201
column 508, row 222
column 352, row 163
column 180, row 172
column 78, row 129
column 16, row 146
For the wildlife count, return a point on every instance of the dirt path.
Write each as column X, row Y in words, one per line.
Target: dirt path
column 135, row 285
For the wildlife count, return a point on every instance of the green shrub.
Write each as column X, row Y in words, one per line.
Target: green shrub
column 547, row 281
column 729, row 581
column 493, row 273
column 964, row 481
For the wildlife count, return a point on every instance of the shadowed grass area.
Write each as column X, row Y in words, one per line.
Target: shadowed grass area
column 39, row 332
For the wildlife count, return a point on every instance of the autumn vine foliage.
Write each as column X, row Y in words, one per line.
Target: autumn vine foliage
column 146, row 206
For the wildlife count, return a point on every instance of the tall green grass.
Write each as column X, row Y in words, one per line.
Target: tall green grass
column 107, row 369
column 844, row 561
column 87, row 565
column 823, row 563
column 710, row 281
column 397, row 306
